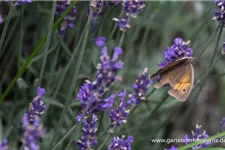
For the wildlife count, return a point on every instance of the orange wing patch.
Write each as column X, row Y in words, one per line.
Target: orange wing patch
column 183, row 84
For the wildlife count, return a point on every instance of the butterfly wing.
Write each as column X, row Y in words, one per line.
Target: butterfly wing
column 181, row 80
column 171, row 66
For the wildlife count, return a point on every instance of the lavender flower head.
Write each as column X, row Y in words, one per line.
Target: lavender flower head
column 32, row 132
column 172, row 148
column 92, row 102
column 1, row 18
column 90, row 94
column 121, row 143
column 223, row 49
column 88, row 140
column 219, row 15
column 108, row 68
column 177, row 51
column 131, row 8
column 100, row 41
column 33, row 129
column 119, row 115
column 96, row 8
column 37, row 106
column 123, row 23
column 19, row 2
column 140, row 87
column 68, row 21
column 4, row 145
column 222, row 124
column 198, row 134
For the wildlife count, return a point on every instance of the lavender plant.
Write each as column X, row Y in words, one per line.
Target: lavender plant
column 68, row 21
column 110, row 112
column 4, row 145
column 32, row 127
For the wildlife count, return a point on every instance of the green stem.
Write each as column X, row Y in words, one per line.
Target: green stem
column 217, row 43
column 201, row 142
column 156, row 108
column 6, row 27
column 65, row 136
column 35, row 51
column 21, row 38
column 68, row 65
column 47, row 42
column 69, row 98
column 208, row 42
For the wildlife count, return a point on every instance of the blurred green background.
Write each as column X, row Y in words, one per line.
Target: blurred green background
column 155, row 28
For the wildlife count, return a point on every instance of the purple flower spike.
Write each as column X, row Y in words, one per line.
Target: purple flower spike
column 222, row 124
column 88, row 140
column 4, row 145
column 121, row 143
column 119, row 115
column 32, row 132
column 19, row 2
column 198, row 134
column 219, row 15
column 1, row 18
column 123, row 23
column 33, row 129
column 172, row 148
column 133, row 7
column 96, row 8
column 100, row 41
column 177, row 51
column 140, row 87
column 223, row 50
column 92, row 102
column 68, row 21
column 37, row 106
column 108, row 68
column 40, row 91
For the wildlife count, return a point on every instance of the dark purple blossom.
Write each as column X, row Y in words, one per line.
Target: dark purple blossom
column 198, row 134
column 37, row 106
column 90, row 94
column 96, row 8
column 140, row 87
column 108, row 68
column 123, row 23
column 1, row 18
column 219, row 15
column 121, row 143
column 172, row 148
column 33, row 129
column 119, row 114
column 92, row 102
column 32, row 132
column 133, row 7
column 177, row 51
column 18, row 2
column 68, row 21
column 100, row 41
column 88, row 140
column 4, row 145
column 222, row 124
column 223, row 49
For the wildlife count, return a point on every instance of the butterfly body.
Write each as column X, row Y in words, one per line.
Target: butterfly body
column 179, row 75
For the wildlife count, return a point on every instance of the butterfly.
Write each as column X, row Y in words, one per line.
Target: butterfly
column 179, row 75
